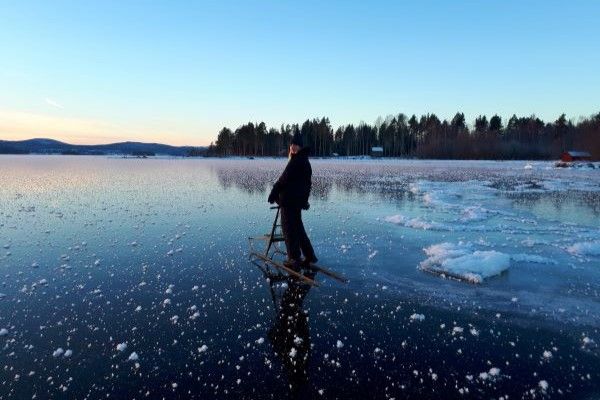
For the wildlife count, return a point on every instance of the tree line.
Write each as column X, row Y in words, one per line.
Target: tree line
column 424, row 137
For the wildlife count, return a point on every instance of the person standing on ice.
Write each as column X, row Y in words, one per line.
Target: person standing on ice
column 291, row 192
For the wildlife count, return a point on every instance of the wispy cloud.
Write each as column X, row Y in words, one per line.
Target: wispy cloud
column 53, row 103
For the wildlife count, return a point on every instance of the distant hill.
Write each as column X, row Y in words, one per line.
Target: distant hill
column 50, row 146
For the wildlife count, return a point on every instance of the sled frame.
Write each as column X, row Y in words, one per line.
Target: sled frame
column 273, row 268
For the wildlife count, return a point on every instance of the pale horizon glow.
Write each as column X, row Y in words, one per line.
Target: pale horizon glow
column 176, row 73
column 82, row 131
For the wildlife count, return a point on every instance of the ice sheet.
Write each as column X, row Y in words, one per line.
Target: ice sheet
column 461, row 262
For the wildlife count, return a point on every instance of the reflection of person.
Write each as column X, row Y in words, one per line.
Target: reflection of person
column 290, row 337
column 291, row 192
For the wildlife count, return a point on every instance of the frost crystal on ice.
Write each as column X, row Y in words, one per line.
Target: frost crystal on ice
column 58, row 352
column 417, row 317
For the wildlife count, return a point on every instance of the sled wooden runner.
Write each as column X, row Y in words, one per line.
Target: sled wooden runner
column 329, row 273
column 289, row 271
column 267, row 258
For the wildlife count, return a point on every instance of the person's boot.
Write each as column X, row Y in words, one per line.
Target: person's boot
column 293, row 264
column 309, row 260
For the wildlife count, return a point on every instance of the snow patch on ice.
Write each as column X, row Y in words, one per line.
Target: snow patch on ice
column 460, row 261
column 532, row 242
column 416, row 223
column 532, row 258
column 492, row 374
column 474, row 213
column 58, row 352
column 553, row 185
column 417, row 317
column 547, row 354
column 585, row 248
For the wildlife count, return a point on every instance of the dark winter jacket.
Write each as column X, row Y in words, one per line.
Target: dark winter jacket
column 293, row 186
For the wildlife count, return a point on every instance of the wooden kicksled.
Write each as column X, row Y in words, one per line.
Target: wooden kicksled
column 270, row 261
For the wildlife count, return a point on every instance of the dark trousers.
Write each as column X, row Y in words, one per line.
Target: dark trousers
column 294, row 233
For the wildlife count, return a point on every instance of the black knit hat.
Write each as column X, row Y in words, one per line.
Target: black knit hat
column 297, row 139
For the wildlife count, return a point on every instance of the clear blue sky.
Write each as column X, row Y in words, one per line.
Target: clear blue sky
column 176, row 72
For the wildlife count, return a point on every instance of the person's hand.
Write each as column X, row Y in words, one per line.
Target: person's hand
column 306, row 206
column 271, row 198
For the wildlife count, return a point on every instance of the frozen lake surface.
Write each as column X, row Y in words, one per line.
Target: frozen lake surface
column 129, row 278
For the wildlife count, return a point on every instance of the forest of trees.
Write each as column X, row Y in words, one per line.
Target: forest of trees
column 424, row 137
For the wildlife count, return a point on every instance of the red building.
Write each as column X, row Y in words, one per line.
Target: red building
column 570, row 156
